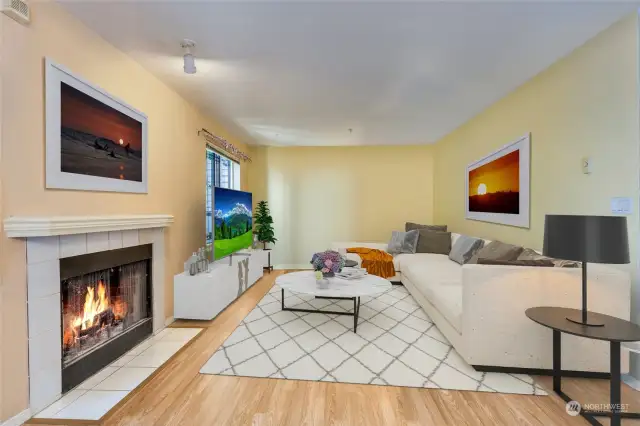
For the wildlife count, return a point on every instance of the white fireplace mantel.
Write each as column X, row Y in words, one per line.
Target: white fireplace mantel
column 31, row 226
column 50, row 239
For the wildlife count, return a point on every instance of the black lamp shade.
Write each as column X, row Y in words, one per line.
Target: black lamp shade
column 593, row 239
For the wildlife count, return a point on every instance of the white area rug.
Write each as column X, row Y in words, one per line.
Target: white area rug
column 396, row 345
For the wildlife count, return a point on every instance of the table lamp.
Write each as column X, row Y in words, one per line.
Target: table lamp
column 596, row 239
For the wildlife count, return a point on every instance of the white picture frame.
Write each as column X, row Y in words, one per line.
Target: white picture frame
column 521, row 219
column 56, row 178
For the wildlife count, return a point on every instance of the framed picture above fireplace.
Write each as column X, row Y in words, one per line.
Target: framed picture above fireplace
column 94, row 141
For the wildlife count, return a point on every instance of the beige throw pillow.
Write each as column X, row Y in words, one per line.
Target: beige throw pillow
column 433, row 242
column 529, row 254
column 540, row 262
column 410, row 226
column 497, row 250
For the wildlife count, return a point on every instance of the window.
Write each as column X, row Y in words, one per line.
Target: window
column 222, row 172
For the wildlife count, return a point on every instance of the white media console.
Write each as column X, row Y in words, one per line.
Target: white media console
column 205, row 295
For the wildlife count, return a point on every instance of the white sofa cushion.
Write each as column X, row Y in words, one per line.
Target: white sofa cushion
column 447, row 299
column 399, row 259
column 439, row 280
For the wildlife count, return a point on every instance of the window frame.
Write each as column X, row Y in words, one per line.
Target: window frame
column 213, row 180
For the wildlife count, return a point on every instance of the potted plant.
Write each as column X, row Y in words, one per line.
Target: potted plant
column 263, row 224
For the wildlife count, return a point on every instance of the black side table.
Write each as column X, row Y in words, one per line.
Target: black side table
column 615, row 330
column 269, row 267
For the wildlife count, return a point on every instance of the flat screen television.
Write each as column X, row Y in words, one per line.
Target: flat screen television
column 233, row 221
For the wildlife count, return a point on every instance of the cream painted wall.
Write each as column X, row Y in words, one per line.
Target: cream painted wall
column 324, row 194
column 176, row 163
column 584, row 105
column 2, row 248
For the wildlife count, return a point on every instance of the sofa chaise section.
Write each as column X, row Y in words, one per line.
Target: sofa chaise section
column 480, row 308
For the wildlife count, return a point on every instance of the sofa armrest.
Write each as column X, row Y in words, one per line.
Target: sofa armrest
column 495, row 297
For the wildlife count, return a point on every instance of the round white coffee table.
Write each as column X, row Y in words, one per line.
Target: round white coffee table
column 304, row 282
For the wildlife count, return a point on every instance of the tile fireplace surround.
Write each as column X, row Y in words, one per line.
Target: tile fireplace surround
column 53, row 238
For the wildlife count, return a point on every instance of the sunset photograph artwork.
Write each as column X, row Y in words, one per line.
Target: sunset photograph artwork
column 495, row 187
column 98, row 140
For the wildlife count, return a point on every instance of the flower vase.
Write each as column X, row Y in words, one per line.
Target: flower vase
column 322, row 283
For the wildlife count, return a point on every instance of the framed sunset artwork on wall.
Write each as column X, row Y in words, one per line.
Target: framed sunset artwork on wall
column 497, row 186
column 94, row 141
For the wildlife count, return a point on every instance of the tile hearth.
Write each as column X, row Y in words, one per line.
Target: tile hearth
column 93, row 398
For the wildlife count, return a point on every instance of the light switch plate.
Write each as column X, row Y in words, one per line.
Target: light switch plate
column 621, row 205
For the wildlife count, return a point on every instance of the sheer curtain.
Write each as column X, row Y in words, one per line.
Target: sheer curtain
column 222, row 172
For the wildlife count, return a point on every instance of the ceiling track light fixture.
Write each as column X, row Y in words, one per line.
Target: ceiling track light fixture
column 189, row 59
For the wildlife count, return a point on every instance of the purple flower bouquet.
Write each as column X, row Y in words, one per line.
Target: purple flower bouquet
column 328, row 262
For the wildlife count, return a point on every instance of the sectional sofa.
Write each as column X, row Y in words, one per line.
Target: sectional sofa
column 480, row 308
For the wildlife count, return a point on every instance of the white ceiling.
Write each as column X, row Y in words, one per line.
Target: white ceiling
column 305, row 73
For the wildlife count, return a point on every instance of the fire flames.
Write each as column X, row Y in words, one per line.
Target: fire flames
column 98, row 312
column 92, row 307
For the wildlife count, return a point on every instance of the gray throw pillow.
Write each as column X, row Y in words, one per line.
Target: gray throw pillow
column 539, row 262
column 410, row 226
column 529, row 254
column 403, row 242
column 433, row 242
column 464, row 249
column 497, row 250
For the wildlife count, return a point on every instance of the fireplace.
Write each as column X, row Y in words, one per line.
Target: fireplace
column 106, row 308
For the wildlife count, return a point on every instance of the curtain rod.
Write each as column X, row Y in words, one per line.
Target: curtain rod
column 223, row 144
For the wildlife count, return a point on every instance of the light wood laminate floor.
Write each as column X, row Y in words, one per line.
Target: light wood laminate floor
column 179, row 395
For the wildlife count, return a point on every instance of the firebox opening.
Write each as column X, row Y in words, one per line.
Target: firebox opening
column 106, row 309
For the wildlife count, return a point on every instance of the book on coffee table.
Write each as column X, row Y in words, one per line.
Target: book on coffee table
column 351, row 273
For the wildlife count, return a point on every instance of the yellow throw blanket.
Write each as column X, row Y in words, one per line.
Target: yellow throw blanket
column 376, row 262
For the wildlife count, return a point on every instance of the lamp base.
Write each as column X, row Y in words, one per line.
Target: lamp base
column 589, row 323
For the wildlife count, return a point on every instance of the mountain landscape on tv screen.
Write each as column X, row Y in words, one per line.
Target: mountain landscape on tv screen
column 233, row 223
column 233, row 226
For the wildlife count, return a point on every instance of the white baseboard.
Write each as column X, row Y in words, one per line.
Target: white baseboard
column 18, row 419
column 631, row 381
column 168, row 321
column 295, row 266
